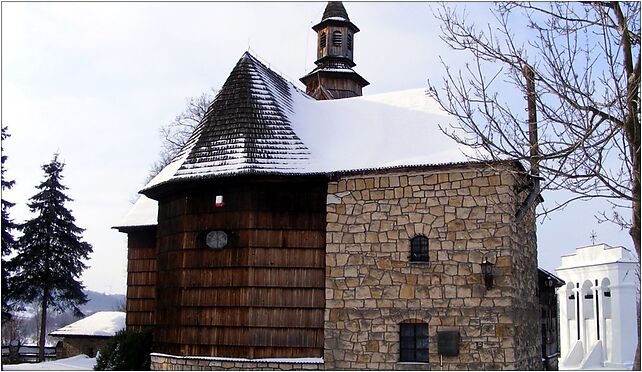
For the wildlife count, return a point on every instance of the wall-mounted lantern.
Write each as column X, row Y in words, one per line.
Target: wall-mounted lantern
column 487, row 270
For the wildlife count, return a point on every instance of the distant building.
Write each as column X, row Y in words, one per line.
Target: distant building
column 598, row 322
column 331, row 230
column 547, row 284
column 88, row 335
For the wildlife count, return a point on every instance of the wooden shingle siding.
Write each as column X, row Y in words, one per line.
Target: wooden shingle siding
column 261, row 296
column 141, row 278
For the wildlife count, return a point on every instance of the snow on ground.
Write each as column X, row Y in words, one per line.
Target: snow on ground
column 102, row 323
column 75, row 363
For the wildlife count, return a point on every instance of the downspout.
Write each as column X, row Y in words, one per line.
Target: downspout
column 534, row 194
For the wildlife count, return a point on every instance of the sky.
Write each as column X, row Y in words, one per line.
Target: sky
column 94, row 82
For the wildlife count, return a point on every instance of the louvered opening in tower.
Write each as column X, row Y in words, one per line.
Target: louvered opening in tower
column 336, row 38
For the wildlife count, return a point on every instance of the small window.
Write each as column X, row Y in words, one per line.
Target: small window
column 419, row 249
column 322, row 40
column 413, row 342
column 336, row 38
column 349, row 41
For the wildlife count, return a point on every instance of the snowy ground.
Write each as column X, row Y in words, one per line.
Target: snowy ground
column 76, row 363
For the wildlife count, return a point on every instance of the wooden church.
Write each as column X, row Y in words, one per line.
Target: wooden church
column 329, row 230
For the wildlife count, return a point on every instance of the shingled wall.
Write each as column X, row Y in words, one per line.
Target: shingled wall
column 467, row 212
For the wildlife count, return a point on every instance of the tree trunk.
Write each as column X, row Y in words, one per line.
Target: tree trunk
column 43, row 327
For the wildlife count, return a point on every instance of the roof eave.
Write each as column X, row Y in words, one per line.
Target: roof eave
column 347, row 74
column 336, row 22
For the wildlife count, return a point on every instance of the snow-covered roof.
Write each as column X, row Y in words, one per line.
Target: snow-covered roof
column 100, row 324
column 260, row 123
column 143, row 213
column 335, row 65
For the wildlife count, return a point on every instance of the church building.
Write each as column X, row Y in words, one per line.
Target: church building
column 330, row 230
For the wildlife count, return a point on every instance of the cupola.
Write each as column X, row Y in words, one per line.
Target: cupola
column 334, row 78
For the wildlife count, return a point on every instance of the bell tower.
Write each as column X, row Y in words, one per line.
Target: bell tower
column 334, row 78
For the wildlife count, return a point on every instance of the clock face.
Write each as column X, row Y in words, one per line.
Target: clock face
column 216, row 239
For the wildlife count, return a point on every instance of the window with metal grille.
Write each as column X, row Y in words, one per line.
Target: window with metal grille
column 336, row 38
column 413, row 342
column 419, row 249
column 349, row 41
column 322, row 40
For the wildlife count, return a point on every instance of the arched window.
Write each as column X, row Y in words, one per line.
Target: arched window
column 336, row 38
column 587, row 298
column 349, row 41
column 570, row 301
column 322, row 40
column 419, row 249
column 606, row 297
column 413, row 342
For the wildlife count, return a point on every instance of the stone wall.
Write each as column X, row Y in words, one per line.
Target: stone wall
column 164, row 362
column 467, row 213
column 72, row 346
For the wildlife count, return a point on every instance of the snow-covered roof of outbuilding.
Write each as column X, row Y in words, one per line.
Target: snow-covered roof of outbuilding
column 100, row 324
column 260, row 123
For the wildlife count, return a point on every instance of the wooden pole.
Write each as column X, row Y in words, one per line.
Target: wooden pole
column 532, row 120
column 533, row 140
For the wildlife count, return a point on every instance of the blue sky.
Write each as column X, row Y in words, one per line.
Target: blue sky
column 95, row 81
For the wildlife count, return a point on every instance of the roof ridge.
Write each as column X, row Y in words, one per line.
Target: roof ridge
column 257, row 59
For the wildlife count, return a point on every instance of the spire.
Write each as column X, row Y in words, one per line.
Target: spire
column 335, row 9
column 334, row 77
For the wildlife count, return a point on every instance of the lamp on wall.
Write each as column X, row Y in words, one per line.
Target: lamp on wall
column 487, row 270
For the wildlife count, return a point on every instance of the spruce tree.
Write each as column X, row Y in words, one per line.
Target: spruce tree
column 8, row 242
column 50, row 253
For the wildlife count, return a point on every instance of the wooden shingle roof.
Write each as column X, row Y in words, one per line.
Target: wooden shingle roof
column 261, row 124
column 247, row 128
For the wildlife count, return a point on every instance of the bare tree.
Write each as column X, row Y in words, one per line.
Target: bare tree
column 13, row 329
column 585, row 59
column 175, row 134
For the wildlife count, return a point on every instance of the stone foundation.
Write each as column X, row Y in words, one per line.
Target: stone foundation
column 164, row 362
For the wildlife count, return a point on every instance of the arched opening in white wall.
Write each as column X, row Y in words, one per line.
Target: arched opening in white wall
column 606, row 297
column 587, row 300
column 570, row 301
column 604, row 333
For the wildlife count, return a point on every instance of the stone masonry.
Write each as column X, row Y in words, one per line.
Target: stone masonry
column 467, row 213
column 162, row 362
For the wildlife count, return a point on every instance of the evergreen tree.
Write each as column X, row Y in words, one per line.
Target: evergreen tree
column 50, row 253
column 8, row 241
